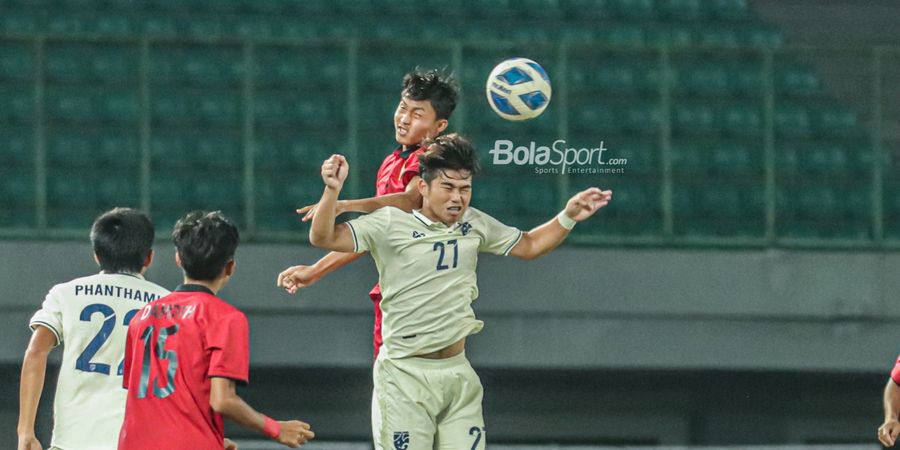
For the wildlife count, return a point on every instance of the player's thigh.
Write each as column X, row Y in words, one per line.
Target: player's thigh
column 400, row 421
column 462, row 427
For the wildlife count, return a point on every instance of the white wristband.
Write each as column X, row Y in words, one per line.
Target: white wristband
column 565, row 221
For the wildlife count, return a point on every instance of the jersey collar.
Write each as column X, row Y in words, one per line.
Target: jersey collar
column 127, row 274
column 409, row 151
column 193, row 288
column 430, row 223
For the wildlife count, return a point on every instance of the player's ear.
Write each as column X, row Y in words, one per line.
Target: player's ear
column 96, row 259
column 441, row 125
column 423, row 187
column 178, row 259
column 148, row 260
column 229, row 268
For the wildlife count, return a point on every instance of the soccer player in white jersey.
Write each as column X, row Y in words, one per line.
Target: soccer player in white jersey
column 90, row 317
column 427, row 396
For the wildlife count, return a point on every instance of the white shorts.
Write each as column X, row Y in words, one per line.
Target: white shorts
column 427, row 404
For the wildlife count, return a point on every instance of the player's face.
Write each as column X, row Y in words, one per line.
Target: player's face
column 448, row 195
column 415, row 121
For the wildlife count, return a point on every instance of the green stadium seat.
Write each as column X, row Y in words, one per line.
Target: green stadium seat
column 172, row 108
column 172, row 190
column 622, row 36
column 836, row 121
column 642, row 157
column 595, row 117
column 288, row 66
column 18, row 189
column 160, row 27
column 826, row 159
column 593, row 9
column 642, row 118
column 792, row 120
column 19, row 23
column 762, row 37
column 718, row 37
column 797, row 81
column 16, row 61
column 543, row 9
column 693, row 118
column 202, row 66
column 220, row 108
column 669, row 35
column 71, row 149
column 16, row 148
column 16, row 105
column 735, row 158
column 633, row 9
column 67, row 188
column 698, row 78
column 121, row 189
column 118, row 106
column 689, row 158
column 71, row 104
column 114, row 25
column 742, row 119
column 728, row 9
column 119, row 150
column 680, row 9
column 298, row 110
column 67, row 24
column 747, row 80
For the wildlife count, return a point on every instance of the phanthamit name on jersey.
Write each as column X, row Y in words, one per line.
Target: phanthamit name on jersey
column 558, row 156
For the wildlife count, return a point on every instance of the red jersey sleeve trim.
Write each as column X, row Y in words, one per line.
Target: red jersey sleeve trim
column 233, row 377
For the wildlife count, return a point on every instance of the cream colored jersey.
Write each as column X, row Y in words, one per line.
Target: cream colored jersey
column 427, row 274
column 90, row 316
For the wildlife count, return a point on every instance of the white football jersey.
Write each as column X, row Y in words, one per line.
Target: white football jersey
column 90, row 317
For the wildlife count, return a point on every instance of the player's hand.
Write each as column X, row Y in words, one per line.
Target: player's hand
column 29, row 443
column 230, row 445
column 295, row 278
column 585, row 203
column 309, row 211
column 888, row 431
column 334, row 171
column 295, row 433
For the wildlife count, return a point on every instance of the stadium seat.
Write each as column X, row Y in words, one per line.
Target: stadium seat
column 669, row 35
column 736, row 158
column 633, row 9
column 680, row 9
column 718, row 37
column 16, row 148
column 642, row 118
column 761, row 37
column 118, row 150
column 592, row 9
column 71, row 149
column 19, row 23
column 689, row 158
column 642, row 157
column 836, row 121
column 67, row 188
column 728, row 9
column 696, row 77
column 694, row 118
column 595, row 117
column 117, row 189
column 742, row 119
column 797, row 81
column 172, row 107
column 16, row 104
column 71, row 104
column 16, row 61
column 747, row 80
column 219, row 108
column 18, row 189
column 792, row 120
column 298, row 110
column 118, row 106
column 622, row 36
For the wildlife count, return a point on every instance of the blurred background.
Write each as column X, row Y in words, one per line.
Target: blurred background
column 739, row 290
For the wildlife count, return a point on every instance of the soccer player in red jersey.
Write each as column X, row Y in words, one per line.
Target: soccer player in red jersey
column 890, row 429
column 186, row 351
column 426, row 102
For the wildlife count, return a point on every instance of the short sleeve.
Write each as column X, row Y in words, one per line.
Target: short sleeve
column 895, row 373
column 410, row 169
column 228, row 340
column 369, row 229
column 498, row 238
column 50, row 315
column 126, row 363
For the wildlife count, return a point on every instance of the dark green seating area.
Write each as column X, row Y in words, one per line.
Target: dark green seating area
column 232, row 105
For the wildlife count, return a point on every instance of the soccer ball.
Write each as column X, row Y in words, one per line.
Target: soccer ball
column 518, row 89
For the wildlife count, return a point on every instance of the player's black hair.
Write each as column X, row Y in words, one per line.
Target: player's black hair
column 205, row 241
column 122, row 238
column 448, row 152
column 434, row 86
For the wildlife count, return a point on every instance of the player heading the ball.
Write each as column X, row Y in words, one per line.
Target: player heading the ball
column 426, row 393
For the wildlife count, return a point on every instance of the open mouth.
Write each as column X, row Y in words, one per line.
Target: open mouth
column 454, row 210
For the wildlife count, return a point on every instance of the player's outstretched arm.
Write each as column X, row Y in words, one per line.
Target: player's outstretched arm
column 31, row 385
column 295, row 278
column 888, row 431
column 544, row 238
column 407, row 200
column 224, row 400
column 324, row 233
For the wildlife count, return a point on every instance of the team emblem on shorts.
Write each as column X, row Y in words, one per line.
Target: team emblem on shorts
column 401, row 440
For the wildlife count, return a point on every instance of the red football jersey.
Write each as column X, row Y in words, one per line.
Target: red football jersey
column 396, row 171
column 174, row 345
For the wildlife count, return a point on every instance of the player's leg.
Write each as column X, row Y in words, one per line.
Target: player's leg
column 461, row 426
column 400, row 408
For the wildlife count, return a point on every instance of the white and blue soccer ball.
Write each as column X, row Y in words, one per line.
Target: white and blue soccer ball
column 518, row 89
